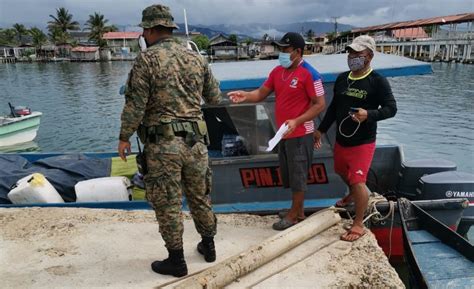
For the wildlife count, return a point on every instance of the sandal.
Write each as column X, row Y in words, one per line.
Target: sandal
column 283, row 224
column 347, row 227
column 282, row 215
column 351, row 232
column 344, row 202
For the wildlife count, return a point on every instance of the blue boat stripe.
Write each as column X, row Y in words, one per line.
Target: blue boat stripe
column 218, row 208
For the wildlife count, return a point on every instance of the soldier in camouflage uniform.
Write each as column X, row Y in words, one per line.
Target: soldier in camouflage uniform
column 163, row 104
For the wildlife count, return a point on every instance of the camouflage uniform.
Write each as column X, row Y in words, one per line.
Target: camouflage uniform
column 166, row 84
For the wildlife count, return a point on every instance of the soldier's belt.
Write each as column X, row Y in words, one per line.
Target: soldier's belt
column 187, row 129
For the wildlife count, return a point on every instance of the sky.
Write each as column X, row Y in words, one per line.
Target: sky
column 359, row 13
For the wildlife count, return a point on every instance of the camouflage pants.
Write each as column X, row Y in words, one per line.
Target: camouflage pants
column 174, row 168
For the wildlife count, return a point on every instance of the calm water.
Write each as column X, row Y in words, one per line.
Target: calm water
column 81, row 107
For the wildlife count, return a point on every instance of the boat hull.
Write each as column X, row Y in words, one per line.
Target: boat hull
column 19, row 130
column 251, row 184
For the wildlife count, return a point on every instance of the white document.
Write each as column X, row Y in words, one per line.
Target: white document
column 276, row 139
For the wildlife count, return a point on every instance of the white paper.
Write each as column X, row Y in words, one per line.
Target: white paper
column 276, row 139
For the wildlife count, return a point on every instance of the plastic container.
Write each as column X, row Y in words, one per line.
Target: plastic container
column 107, row 189
column 34, row 188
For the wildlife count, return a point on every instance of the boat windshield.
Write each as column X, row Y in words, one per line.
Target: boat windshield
column 240, row 130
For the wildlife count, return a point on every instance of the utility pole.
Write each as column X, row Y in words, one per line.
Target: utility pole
column 335, row 32
column 335, row 24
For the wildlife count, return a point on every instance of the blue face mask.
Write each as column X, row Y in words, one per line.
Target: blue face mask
column 285, row 59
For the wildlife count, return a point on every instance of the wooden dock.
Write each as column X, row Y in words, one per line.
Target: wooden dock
column 7, row 60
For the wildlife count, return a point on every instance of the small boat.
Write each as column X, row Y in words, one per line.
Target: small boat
column 19, row 127
column 438, row 256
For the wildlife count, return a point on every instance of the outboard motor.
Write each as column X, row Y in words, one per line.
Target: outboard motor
column 18, row 111
column 22, row 110
column 447, row 185
column 413, row 170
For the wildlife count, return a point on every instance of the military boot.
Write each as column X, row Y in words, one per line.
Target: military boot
column 174, row 265
column 206, row 247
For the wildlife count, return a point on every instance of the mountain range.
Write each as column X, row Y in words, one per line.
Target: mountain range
column 257, row 30
column 243, row 31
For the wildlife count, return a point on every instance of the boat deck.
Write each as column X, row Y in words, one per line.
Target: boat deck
column 430, row 252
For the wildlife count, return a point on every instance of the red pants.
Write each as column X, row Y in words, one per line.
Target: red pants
column 353, row 163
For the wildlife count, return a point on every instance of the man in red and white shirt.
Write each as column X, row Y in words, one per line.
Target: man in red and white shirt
column 299, row 98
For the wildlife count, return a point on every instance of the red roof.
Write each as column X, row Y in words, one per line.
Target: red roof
column 416, row 32
column 122, row 35
column 85, row 49
column 441, row 20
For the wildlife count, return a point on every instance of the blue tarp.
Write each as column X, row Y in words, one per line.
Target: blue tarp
column 63, row 172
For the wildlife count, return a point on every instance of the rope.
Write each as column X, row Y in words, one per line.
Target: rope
column 376, row 216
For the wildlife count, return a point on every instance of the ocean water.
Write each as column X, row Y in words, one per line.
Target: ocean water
column 81, row 108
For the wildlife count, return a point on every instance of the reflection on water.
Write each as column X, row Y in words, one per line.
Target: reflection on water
column 31, row 146
column 81, row 108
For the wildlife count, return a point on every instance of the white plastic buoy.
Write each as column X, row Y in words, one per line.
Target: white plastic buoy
column 104, row 190
column 34, row 188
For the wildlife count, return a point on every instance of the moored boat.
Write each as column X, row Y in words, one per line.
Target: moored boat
column 438, row 257
column 19, row 127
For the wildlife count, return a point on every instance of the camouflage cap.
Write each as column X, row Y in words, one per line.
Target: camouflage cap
column 157, row 15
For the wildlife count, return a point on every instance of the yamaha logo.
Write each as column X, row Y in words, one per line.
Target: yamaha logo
column 458, row 194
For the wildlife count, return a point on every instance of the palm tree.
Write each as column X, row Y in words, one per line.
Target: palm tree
column 58, row 36
column 310, row 34
column 20, row 31
column 97, row 26
column 61, row 24
column 233, row 38
column 39, row 38
column 7, row 36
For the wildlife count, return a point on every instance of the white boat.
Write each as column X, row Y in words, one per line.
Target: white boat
column 19, row 127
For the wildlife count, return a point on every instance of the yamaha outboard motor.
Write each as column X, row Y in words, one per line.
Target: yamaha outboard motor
column 413, row 170
column 447, row 185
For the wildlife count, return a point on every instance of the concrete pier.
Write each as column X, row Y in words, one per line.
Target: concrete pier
column 92, row 248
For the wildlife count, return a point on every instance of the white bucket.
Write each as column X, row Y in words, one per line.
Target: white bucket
column 34, row 188
column 104, row 190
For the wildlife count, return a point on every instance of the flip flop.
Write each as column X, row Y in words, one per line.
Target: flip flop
column 347, row 227
column 282, row 215
column 342, row 203
column 354, row 233
column 283, row 224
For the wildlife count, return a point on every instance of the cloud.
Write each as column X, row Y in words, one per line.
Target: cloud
column 355, row 12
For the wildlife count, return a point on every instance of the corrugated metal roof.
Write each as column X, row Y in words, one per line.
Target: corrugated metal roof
column 121, row 35
column 441, row 20
column 416, row 32
column 85, row 49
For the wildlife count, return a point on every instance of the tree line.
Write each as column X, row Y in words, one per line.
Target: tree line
column 59, row 28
